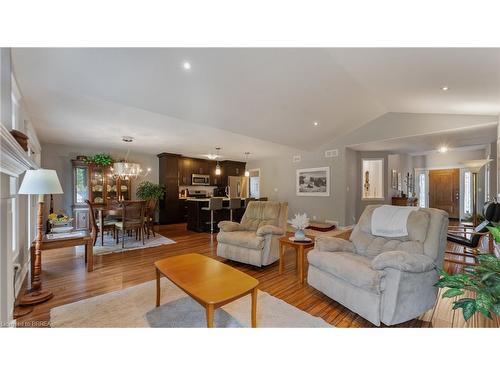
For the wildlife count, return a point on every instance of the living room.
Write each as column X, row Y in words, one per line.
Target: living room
column 277, row 186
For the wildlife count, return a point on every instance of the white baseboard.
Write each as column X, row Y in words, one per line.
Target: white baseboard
column 22, row 275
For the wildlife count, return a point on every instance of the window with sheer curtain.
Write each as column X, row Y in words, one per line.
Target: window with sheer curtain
column 468, row 193
column 422, row 191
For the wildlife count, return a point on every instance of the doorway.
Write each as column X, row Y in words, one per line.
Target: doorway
column 254, row 183
column 444, row 191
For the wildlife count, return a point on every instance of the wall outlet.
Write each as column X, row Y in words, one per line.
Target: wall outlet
column 331, row 153
column 297, row 158
column 275, row 190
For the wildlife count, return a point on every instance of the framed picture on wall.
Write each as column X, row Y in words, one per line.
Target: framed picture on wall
column 394, row 179
column 313, row 182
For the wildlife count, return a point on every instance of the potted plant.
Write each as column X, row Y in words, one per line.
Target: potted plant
column 299, row 222
column 149, row 190
column 482, row 279
column 495, row 232
column 100, row 159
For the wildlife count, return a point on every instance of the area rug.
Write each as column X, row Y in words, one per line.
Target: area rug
column 135, row 307
column 110, row 245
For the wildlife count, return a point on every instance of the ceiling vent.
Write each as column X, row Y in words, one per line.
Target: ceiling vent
column 331, row 153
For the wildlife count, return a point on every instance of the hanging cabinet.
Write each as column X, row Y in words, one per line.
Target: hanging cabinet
column 95, row 183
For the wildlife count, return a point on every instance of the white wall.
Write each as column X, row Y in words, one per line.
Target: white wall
column 58, row 157
column 452, row 159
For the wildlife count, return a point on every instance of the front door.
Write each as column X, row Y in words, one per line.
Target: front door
column 444, row 191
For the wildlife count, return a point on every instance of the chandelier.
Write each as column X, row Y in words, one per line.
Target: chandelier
column 126, row 170
column 217, row 167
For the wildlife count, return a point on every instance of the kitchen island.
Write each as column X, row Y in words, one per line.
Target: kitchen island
column 198, row 220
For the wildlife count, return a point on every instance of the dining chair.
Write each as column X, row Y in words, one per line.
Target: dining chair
column 132, row 219
column 109, row 224
column 149, row 218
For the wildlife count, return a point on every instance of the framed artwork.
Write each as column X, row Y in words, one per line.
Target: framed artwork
column 400, row 182
column 313, row 182
column 394, row 179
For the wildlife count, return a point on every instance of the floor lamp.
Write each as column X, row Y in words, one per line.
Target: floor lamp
column 475, row 166
column 39, row 182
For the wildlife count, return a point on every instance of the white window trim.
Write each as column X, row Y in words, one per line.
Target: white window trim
column 378, row 199
column 260, row 185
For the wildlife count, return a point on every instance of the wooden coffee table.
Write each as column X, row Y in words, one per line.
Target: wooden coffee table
column 209, row 282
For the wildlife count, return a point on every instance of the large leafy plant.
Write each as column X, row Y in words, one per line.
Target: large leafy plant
column 483, row 280
column 149, row 190
column 100, row 159
column 495, row 232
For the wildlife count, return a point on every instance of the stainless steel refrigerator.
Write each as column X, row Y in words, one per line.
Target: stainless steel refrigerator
column 237, row 187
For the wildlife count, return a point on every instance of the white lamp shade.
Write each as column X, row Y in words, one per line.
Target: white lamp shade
column 40, row 181
column 476, row 165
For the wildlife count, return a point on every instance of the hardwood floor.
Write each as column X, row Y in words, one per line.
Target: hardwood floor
column 65, row 275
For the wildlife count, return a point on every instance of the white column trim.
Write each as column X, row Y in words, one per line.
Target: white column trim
column 14, row 161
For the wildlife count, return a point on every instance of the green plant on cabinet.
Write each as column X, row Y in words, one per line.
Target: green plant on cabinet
column 100, row 159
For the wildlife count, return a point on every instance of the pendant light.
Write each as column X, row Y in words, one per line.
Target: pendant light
column 217, row 167
column 247, row 172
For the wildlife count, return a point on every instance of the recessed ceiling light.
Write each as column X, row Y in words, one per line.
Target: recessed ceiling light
column 127, row 138
column 315, row 123
column 443, row 149
column 445, row 88
column 186, row 65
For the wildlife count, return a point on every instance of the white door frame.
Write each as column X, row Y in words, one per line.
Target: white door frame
column 253, row 170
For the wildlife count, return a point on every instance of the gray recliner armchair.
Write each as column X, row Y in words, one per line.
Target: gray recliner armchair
column 256, row 239
column 385, row 280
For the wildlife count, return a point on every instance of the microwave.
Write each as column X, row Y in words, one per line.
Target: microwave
column 200, row 179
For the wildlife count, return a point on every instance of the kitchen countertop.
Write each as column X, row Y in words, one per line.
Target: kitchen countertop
column 207, row 199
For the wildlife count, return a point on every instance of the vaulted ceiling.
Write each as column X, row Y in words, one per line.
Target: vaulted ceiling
column 264, row 101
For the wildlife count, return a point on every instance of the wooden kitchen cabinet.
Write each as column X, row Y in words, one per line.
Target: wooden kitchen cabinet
column 169, row 176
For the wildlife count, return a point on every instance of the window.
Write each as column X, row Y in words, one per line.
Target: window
column 468, row 193
column 254, row 183
column 487, row 183
column 372, row 179
column 422, row 193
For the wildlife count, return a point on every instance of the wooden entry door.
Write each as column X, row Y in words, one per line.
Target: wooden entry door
column 444, row 191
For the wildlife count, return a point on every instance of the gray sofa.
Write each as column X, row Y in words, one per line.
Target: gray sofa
column 385, row 280
column 256, row 239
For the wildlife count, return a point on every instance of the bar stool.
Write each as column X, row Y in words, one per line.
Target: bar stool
column 234, row 204
column 214, row 204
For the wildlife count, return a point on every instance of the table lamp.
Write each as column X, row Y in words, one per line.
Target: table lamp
column 40, row 182
column 475, row 166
